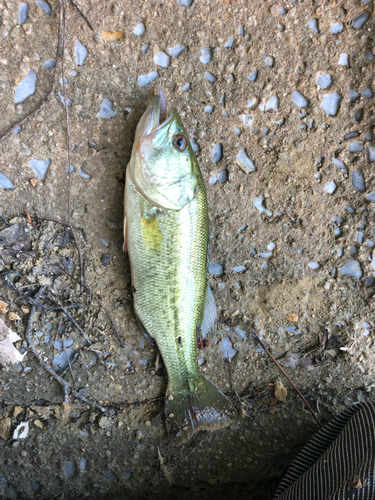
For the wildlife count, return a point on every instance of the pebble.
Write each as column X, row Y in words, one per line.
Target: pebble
column 344, row 60
column 280, row 122
column 49, row 63
column 358, row 180
column 353, row 95
column 227, row 349
column 330, row 187
column 265, row 255
column 352, row 268
column 143, row 362
column 195, row 146
column 323, row 80
column 105, row 242
column 318, row 175
column 222, row 101
column 369, row 243
column 369, row 280
column 271, row 246
column 339, row 252
column 360, row 20
column 239, row 269
column 139, row 29
column 242, row 228
column 303, row 126
column 273, row 104
column 45, row 6
column 35, row 486
column 23, row 12
column 368, row 136
column 216, row 269
column 83, row 463
column 253, row 76
column 299, row 99
column 241, row 30
column 40, row 167
column 331, row 103
column 185, row 3
column 367, row 93
column 241, row 334
column 106, row 259
column 217, row 152
column 26, row 87
column 258, row 204
column 209, row 109
column 145, row 48
column 106, row 109
column 17, row 130
column 280, row 27
column 210, row 77
column 337, row 231
column 222, row 176
column 253, row 252
column 313, row 24
column 283, row 11
column 313, row 265
column 265, row 131
column 81, row 53
column 237, row 131
column 229, row 43
column 5, row 182
column 186, row 87
column 68, row 101
column 355, row 146
column 70, row 469
column 161, row 59
column 144, row 80
column 253, row 103
column 368, row 55
column 245, row 163
column 338, row 220
column 349, row 209
column 176, row 51
column 212, row 180
column 353, row 250
column 61, row 361
column 206, row 56
column 370, row 153
column 269, row 61
column 351, row 135
column 336, row 28
column 371, row 196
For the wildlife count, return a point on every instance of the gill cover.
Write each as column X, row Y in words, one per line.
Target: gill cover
column 161, row 171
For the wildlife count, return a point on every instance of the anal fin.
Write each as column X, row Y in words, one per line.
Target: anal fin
column 209, row 316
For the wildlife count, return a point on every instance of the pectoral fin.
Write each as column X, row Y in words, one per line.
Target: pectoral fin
column 209, row 314
column 151, row 233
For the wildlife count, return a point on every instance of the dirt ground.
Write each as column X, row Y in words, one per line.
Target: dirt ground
column 317, row 321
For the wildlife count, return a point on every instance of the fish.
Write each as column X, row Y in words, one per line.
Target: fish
column 166, row 236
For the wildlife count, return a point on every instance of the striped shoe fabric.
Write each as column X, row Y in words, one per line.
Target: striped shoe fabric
column 338, row 463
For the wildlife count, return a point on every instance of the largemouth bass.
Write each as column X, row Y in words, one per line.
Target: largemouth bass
column 166, row 235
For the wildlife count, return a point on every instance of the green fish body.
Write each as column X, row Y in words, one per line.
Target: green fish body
column 166, row 235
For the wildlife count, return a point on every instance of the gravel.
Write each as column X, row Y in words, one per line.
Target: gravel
column 209, row 109
column 226, row 348
column 351, row 135
column 331, row 103
column 229, row 43
column 269, row 61
column 139, row 29
column 23, row 12
column 206, row 56
column 106, row 109
column 313, row 24
column 80, row 53
column 313, row 265
column 253, row 76
column 146, row 79
column 355, row 146
column 45, row 6
column 354, row 95
column 273, row 104
column 358, row 180
column 244, row 162
column 195, row 146
column 258, row 204
column 68, row 101
column 84, row 174
column 323, row 80
column 359, row 21
column 5, row 182
column 40, row 167
column 299, row 99
column 353, row 250
column 223, row 176
column 145, row 48
column 358, row 115
column 26, row 87
column 344, row 60
column 339, row 164
column 253, row 102
column 367, row 93
column 49, row 63
column 161, row 59
column 217, row 152
column 352, row 268
column 176, row 51
column 70, row 469
column 336, row 28
column 330, row 187
column 210, row 77
column 186, row 87
column 371, row 196
column 239, row 269
column 185, row 3
column 216, row 269
column 370, row 150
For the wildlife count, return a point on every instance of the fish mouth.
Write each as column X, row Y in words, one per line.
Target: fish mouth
column 160, row 118
column 163, row 104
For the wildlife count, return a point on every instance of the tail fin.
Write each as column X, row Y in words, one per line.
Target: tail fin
column 202, row 408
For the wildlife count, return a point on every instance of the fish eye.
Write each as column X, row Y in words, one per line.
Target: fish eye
column 180, row 142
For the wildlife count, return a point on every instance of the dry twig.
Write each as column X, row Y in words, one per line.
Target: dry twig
column 286, row 376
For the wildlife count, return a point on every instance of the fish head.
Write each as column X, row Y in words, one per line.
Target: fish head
column 163, row 163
